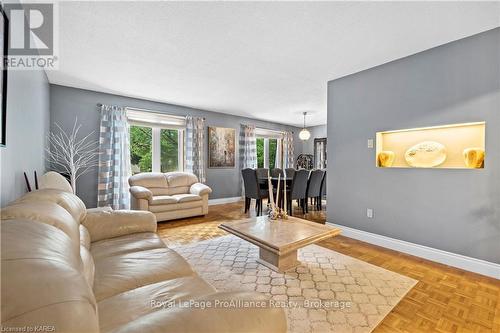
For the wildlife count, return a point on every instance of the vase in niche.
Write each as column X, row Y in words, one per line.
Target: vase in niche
column 386, row 158
column 474, row 157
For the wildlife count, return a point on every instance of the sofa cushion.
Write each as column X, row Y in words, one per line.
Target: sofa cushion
column 186, row 197
column 73, row 204
column 180, row 213
column 45, row 212
column 180, row 179
column 224, row 315
column 42, row 281
column 126, row 244
column 153, row 297
column 176, row 207
column 177, row 190
column 156, row 182
column 88, row 265
column 148, row 180
column 162, row 200
column 118, row 273
column 110, row 224
column 56, row 181
column 84, row 237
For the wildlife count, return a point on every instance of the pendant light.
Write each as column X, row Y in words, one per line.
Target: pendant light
column 304, row 133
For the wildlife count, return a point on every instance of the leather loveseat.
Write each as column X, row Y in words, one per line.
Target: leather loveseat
column 69, row 269
column 171, row 195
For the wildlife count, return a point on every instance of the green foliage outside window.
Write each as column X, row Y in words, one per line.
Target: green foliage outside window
column 141, row 156
column 169, row 147
column 140, row 149
column 273, row 144
column 260, row 152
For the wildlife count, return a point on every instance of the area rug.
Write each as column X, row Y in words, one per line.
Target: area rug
column 328, row 292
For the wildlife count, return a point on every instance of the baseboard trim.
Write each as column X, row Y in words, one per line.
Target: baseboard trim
column 223, row 200
column 448, row 258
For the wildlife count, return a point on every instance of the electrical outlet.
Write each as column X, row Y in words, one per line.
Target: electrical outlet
column 370, row 143
column 369, row 213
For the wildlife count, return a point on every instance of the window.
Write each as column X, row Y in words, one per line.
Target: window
column 141, row 156
column 273, row 146
column 169, row 150
column 260, row 152
column 267, row 151
column 156, row 141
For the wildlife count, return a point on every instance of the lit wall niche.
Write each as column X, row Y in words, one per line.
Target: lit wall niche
column 457, row 146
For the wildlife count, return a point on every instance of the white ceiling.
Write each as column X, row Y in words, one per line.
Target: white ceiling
column 266, row 60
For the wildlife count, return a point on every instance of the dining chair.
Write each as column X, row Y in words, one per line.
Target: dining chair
column 277, row 172
column 298, row 190
column 262, row 174
column 289, row 172
column 323, row 187
column 314, row 187
column 253, row 190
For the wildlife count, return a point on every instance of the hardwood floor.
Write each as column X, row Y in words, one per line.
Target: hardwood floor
column 445, row 299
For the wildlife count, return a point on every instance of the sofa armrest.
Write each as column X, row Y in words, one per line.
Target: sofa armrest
column 200, row 189
column 219, row 315
column 140, row 192
column 113, row 223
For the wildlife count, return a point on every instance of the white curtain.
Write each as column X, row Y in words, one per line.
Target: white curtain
column 288, row 158
column 248, row 147
column 278, row 159
column 114, row 159
column 195, row 154
column 248, row 150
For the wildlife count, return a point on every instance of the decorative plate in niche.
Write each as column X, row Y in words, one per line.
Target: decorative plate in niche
column 426, row 154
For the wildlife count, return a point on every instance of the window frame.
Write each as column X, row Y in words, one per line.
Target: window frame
column 156, row 144
column 267, row 151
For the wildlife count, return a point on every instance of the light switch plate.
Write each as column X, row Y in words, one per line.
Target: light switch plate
column 370, row 143
column 369, row 213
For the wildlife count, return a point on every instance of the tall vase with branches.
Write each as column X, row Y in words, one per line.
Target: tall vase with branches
column 71, row 153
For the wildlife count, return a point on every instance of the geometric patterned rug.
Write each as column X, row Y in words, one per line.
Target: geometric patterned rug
column 328, row 292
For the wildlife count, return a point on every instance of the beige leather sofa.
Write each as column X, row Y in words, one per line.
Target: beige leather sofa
column 171, row 195
column 76, row 270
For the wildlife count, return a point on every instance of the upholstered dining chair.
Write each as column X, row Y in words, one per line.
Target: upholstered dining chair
column 253, row 190
column 298, row 190
column 263, row 173
column 277, row 172
column 314, row 187
column 289, row 172
column 323, row 187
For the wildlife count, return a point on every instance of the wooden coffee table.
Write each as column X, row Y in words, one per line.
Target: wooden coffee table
column 279, row 240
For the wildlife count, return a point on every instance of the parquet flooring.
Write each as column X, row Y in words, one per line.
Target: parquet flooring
column 446, row 299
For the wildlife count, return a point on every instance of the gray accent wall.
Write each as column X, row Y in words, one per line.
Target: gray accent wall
column 451, row 210
column 319, row 131
column 68, row 103
column 27, row 126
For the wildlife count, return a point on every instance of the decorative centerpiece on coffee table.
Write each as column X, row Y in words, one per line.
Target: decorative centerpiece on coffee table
column 274, row 210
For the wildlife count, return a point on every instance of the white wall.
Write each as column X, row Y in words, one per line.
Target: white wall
column 316, row 132
column 27, row 126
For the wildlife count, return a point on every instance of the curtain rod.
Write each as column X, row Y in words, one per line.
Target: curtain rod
column 270, row 130
column 149, row 110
